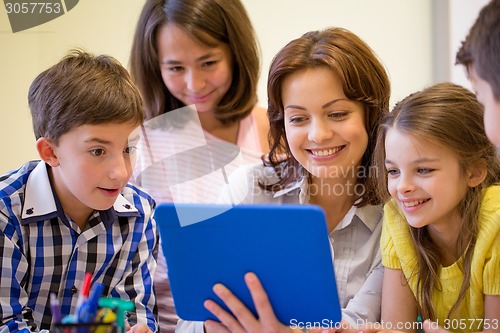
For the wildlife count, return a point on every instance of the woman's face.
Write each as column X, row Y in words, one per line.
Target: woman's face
column 325, row 130
column 193, row 72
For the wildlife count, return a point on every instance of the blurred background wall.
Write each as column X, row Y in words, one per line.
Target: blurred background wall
column 415, row 39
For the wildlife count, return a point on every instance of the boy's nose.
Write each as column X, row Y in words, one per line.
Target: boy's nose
column 121, row 169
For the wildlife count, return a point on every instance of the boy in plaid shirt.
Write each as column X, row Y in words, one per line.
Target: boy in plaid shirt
column 73, row 212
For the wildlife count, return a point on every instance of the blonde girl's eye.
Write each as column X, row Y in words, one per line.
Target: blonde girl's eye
column 392, row 172
column 425, row 171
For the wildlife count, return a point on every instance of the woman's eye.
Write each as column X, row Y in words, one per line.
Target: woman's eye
column 296, row 120
column 338, row 115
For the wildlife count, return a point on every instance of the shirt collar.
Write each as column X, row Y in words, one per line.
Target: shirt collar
column 369, row 215
column 303, row 187
column 41, row 202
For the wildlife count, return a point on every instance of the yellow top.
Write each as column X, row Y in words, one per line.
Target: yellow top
column 398, row 252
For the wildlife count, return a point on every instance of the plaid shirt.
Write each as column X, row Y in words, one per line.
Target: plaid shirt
column 43, row 251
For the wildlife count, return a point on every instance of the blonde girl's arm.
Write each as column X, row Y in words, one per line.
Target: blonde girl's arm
column 399, row 308
column 491, row 322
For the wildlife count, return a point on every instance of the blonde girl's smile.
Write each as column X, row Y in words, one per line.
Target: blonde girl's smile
column 425, row 179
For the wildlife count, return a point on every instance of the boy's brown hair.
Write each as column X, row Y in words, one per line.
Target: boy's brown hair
column 481, row 47
column 82, row 89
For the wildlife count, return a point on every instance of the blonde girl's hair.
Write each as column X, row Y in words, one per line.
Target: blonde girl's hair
column 449, row 115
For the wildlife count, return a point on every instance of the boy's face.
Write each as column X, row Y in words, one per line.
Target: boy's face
column 91, row 165
column 485, row 96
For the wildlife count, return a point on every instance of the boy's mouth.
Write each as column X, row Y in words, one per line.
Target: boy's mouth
column 109, row 191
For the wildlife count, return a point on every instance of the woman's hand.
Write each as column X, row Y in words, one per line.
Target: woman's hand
column 242, row 319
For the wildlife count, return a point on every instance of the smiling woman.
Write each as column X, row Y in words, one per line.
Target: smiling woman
column 325, row 130
column 327, row 90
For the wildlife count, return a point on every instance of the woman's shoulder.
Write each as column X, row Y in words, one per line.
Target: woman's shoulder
column 262, row 124
column 244, row 184
column 255, row 173
column 371, row 215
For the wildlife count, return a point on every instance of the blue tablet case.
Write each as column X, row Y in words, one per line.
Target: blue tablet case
column 287, row 246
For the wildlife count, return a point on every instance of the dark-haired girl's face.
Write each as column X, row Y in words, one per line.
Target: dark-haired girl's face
column 193, row 72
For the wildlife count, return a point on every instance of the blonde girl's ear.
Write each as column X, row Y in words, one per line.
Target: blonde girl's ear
column 477, row 173
column 46, row 150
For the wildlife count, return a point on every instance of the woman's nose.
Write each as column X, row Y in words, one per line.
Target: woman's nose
column 319, row 131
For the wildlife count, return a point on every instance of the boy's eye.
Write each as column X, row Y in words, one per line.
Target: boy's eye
column 97, row 151
column 130, row 150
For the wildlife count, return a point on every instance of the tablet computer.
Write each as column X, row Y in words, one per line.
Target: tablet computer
column 287, row 246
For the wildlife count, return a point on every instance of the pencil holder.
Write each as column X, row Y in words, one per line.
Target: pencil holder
column 84, row 328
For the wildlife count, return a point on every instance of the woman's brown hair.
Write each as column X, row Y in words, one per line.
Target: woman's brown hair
column 363, row 78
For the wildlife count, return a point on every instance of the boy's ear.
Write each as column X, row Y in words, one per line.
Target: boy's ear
column 477, row 174
column 46, row 150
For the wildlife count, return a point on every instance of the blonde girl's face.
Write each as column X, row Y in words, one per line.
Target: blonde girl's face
column 325, row 130
column 425, row 180
column 193, row 72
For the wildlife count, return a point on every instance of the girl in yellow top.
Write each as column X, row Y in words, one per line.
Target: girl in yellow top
column 441, row 234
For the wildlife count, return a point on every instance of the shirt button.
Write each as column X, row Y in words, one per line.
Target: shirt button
column 74, row 290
